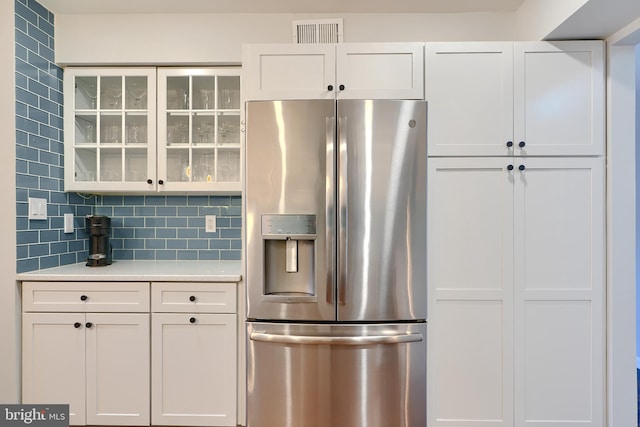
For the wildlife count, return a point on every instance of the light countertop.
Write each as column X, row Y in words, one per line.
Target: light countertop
column 166, row 271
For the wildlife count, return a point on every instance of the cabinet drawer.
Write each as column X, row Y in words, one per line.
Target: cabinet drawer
column 86, row 296
column 193, row 297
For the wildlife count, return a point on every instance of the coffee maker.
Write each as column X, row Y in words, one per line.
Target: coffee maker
column 99, row 228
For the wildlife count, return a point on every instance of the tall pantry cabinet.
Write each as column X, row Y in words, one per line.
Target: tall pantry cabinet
column 516, row 234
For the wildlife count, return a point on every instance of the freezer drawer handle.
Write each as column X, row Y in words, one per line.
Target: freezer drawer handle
column 318, row 340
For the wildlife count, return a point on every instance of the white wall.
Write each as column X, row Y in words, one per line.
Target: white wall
column 217, row 38
column 637, row 139
column 621, row 235
column 535, row 19
column 9, row 303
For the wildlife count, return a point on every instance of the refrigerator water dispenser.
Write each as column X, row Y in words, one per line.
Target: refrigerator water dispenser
column 289, row 254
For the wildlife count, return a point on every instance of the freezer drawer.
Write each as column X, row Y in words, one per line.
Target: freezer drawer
column 321, row 375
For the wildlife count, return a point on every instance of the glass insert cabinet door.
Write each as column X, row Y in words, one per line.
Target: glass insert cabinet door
column 110, row 129
column 199, row 125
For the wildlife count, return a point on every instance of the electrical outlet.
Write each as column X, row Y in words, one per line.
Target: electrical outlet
column 210, row 223
column 68, row 223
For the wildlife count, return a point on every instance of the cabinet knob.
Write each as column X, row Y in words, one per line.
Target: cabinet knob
column 77, row 325
column 149, row 181
column 521, row 144
column 509, row 144
column 330, row 88
column 521, row 167
column 160, row 182
column 192, row 298
column 341, row 87
column 510, row 167
column 83, row 297
column 192, row 320
column 88, row 324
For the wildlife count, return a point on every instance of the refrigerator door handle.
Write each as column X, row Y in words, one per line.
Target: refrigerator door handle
column 342, row 209
column 336, row 340
column 330, row 208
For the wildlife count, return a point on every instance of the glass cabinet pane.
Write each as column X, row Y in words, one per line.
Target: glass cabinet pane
column 135, row 164
column 228, row 129
column 178, row 93
column 203, row 129
column 178, row 169
column 85, row 129
column 203, row 165
column 136, row 92
column 86, row 92
column 228, row 165
column 136, row 129
column 228, row 92
column 204, row 92
column 110, row 128
column 111, row 165
column 177, row 129
column 111, row 92
column 85, row 164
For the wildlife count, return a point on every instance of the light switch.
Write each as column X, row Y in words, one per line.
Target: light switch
column 37, row 208
column 68, row 223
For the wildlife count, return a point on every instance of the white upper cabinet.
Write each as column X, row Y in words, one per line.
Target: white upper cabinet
column 288, row 71
column 110, row 128
column 328, row 71
column 112, row 143
column 559, row 98
column 515, row 99
column 469, row 90
column 199, row 130
column 380, row 71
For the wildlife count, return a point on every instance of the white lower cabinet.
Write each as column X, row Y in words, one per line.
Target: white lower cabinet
column 194, row 354
column 132, row 353
column 516, row 286
column 98, row 363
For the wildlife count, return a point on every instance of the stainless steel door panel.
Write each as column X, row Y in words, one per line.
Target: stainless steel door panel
column 336, row 375
column 382, row 210
column 289, row 155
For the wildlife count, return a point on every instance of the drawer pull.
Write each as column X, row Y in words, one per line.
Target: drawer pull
column 192, row 320
column 192, row 298
column 77, row 325
column 89, row 324
column 84, row 298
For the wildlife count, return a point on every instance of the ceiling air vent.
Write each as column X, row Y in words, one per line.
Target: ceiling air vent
column 318, row 31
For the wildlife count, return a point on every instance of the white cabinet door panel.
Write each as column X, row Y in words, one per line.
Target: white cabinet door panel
column 53, row 363
column 470, row 265
column 559, row 292
column 557, row 376
column 463, row 256
column 380, row 70
column 469, row 90
column 288, row 71
column 557, row 236
column 472, row 383
column 194, row 369
column 559, row 98
column 118, row 369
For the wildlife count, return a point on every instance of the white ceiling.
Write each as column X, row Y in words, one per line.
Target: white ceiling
column 279, row 6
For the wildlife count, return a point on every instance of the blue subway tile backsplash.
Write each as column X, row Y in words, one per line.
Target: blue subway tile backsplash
column 153, row 227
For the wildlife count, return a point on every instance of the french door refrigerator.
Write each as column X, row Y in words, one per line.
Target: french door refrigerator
column 335, row 220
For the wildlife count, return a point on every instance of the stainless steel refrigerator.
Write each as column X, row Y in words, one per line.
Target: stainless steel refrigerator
column 335, row 219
